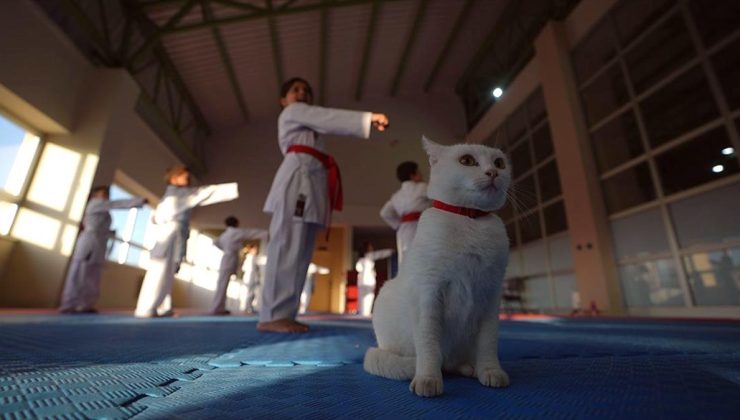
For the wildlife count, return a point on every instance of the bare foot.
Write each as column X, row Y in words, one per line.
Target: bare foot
column 282, row 326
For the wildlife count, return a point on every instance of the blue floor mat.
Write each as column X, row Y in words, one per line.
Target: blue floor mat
column 205, row 367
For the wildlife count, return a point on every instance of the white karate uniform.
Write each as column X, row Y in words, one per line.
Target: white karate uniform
column 307, row 293
column 300, row 178
column 251, row 278
column 230, row 242
column 412, row 197
column 172, row 221
column 82, row 286
column 366, row 279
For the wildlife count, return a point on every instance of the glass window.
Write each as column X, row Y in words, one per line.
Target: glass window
column 534, row 259
column 683, row 104
column 549, row 180
column 11, row 139
column 664, row 50
column 537, row 293
column 131, row 227
column 714, row 277
column 555, row 220
column 542, row 143
column 715, row 21
column 536, row 110
column 516, row 125
column 605, row 95
column 566, row 291
column 651, row 283
column 617, row 142
column 697, row 161
column 512, row 268
column 525, row 194
column 521, row 159
column 628, row 188
column 594, row 51
column 561, row 256
column 639, row 235
column 632, row 17
column 529, row 227
column 708, row 218
column 726, row 64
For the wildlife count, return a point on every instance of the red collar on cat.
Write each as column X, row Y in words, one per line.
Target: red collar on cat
column 465, row 211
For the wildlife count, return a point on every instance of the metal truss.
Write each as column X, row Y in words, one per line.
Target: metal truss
column 505, row 51
column 118, row 33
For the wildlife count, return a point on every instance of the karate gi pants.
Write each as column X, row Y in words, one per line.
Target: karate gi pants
column 82, row 288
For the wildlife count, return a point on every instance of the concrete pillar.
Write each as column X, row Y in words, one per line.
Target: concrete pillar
column 593, row 257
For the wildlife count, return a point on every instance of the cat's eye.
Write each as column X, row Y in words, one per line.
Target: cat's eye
column 499, row 163
column 468, row 160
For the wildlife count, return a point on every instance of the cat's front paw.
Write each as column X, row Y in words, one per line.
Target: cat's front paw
column 494, row 377
column 426, row 386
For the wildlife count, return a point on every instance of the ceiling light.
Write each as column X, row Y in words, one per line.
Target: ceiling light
column 497, row 92
column 718, row 168
column 728, row 151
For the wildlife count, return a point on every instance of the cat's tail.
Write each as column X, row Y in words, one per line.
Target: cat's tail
column 389, row 365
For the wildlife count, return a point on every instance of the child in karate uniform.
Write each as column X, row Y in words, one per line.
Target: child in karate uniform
column 366, row 281
column 304, row 191
column 172, row 220
column 403, row 210
column 82, row 286
column 251, row 278
column 230, row 242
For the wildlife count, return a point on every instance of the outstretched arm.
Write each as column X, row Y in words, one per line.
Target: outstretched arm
column 380, row 254
column 127, row 204
column 247, row 233
column 332, row 121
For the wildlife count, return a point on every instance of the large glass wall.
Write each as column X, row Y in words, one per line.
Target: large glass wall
column 660, row 93
column 535, row 215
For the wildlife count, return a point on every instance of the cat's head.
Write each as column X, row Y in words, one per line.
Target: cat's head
column 468, row 175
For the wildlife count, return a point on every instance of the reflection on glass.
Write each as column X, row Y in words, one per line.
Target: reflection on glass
column 529, row 227
column 696, row 162
column 549, row 179
column 605, row 95
column 714, row 277
column 633, row 17
column 628, row 188
column 537, row 293
column 651, row 283
column 715, row 23
column 617, row 142
column 726, row 63
column 521, row 159
column 682, row 105
column 566, row 291
column 525, row 194
column 662, row 51
column 594, row 51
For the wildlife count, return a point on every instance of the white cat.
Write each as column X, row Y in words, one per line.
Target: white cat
column 441, row 312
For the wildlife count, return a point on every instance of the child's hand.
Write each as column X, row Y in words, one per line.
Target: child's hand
column 379, row 121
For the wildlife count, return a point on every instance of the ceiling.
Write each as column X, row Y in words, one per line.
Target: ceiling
column 232, row 55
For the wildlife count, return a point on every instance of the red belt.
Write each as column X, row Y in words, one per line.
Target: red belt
column 411, row 217
column 334, row 179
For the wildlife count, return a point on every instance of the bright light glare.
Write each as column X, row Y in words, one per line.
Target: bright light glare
column 52, row 184
column 728, row 151
column 23, row 160
column 83, row 188
column 68, row 239
column 497, row 92
column 36, row 228
column 7, row 214
column 718, row 168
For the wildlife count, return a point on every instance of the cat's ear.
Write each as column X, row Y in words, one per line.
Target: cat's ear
column 433, row 149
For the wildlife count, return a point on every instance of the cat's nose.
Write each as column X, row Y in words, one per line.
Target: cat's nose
column 491, row 173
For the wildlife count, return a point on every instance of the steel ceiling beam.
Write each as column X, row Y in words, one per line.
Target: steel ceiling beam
column 420, row 12
column 275, row 41
column 368, row 48
column 154, row 37
column 262, row 14
column 226, row 61
column 451, row 38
